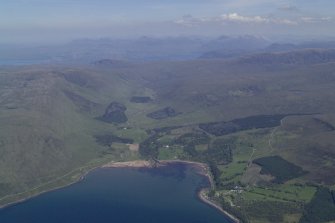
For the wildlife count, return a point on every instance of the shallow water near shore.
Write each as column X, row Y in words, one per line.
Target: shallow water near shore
column 122, row 195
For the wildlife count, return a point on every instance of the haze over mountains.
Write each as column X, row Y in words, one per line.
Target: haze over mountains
column 153, row 49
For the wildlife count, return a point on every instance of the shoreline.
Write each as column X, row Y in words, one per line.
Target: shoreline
column 21, row 200
column 203, row 170
column 205, row 199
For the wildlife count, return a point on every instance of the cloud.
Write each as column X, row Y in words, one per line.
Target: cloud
column 234, row 17
column 315, row 19
column 189, row 20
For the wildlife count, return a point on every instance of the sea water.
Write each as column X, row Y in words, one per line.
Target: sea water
column 122, row 195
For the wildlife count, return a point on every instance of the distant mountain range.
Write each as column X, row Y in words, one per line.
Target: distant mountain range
column 304, row 56
column 151, row 49
column 225, row 46
column 277, row 47
column 235, row 47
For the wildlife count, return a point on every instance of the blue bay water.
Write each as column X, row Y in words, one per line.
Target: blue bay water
column 120, row 195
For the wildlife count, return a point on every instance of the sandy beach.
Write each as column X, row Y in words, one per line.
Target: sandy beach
column 203, row 169
column 130, row 164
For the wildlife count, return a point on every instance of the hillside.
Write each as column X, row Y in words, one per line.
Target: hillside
column 48, row 123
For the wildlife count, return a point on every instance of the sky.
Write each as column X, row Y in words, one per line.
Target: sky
column 64, row 20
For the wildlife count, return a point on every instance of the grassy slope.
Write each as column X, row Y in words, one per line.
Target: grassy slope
column 44, row 134
column 211, row 90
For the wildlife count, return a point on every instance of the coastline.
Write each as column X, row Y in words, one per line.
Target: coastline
column 35, row 194
column 202, row 169
column 128, row 164
column 204, row 198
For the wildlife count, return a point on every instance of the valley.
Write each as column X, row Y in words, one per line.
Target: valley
column 265, row 130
